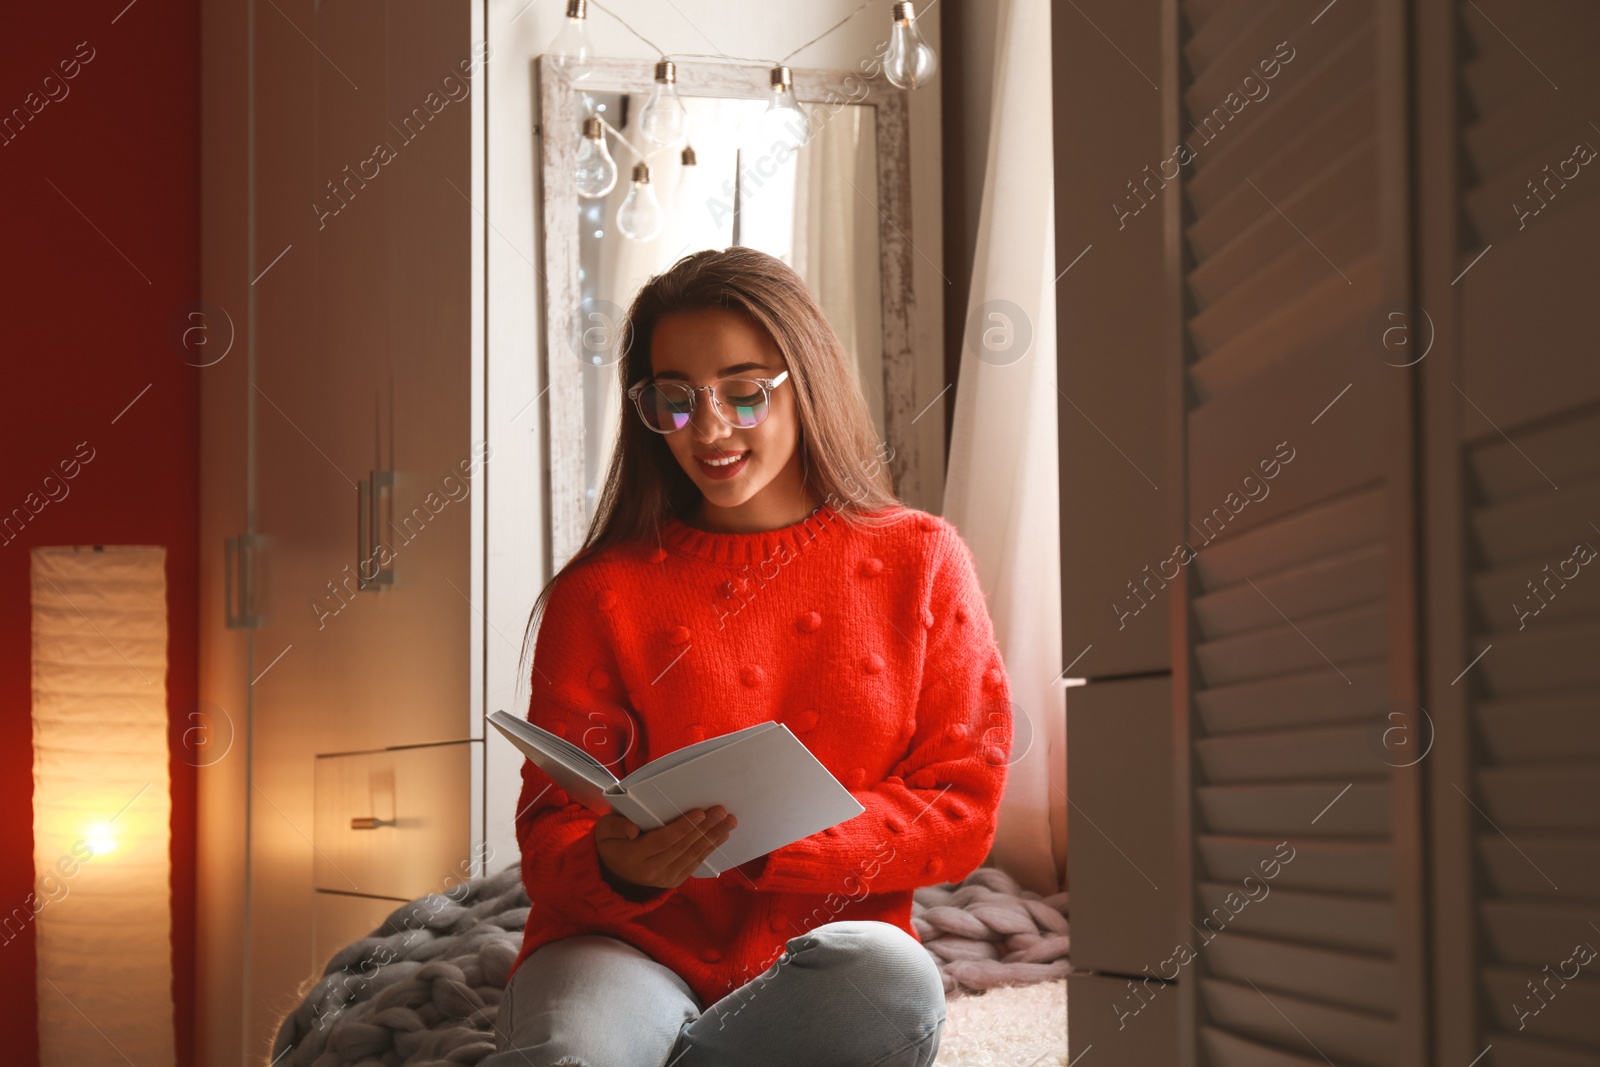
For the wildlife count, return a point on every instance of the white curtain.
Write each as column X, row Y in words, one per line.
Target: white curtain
column 835, row 246
column 1001, row 489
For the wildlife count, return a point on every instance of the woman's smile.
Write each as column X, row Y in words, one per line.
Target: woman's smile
column 721, row 464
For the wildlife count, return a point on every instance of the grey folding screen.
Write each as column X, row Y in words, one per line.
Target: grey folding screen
column 1327, row 507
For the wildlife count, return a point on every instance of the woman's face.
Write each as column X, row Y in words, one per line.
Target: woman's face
column 762, row 487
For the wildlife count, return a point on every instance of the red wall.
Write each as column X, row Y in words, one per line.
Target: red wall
column 90, row 288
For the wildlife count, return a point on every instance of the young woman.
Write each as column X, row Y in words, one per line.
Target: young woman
column 747, row 562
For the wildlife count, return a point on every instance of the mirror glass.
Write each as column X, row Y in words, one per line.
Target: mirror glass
column 815, row 210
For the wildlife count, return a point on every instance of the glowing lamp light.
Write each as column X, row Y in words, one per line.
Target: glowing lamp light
column 101, row 907
column 100, row 840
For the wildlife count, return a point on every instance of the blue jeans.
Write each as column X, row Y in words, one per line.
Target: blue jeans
column 854, row 993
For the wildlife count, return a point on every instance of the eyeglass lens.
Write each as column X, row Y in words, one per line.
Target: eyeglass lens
column 666, row 406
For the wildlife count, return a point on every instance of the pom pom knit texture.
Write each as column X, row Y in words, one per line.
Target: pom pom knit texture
column 872, row 644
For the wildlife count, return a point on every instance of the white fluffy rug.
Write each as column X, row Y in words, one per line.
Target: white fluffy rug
column 1011, row 1026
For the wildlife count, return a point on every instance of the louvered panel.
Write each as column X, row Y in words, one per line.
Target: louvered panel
column 1529, row 82
column 1527, row 331
column 1325, row 528
column 1228, row 1050
column 1221, row 56
column 1541, row 728
column 1532, row 190
column 1301, row 699
column 1519, row 529
column 1302, row 810
column 1536, row 934
column 1543, row 796
column 1536, row 782
column 1514, row 1050
column 1353, row 980
column 1516, row 138
column 1314, row 51
column 1330, row 638
column 1568, row 451
column 1320, row 117
column 1290, row 669
column 1343, row 238
column 1541, row 865
column 1323, row 584
column 1497, row 74
column 1568, row 1015
column 1348, row 924
column 1534, row 21
column 1327, row 321
column 1219, row 26
column 1533, row 588
column 1553, row 656
column 1278, row 755
column 1513, row 108
column 1236, row 237
column 1361, row 868
column 1345, row 1037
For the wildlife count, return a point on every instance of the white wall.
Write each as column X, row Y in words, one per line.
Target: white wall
column 518, row 31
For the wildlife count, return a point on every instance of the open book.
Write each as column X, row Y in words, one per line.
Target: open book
column 762, row 775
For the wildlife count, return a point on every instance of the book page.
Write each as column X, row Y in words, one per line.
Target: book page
column 694, row 751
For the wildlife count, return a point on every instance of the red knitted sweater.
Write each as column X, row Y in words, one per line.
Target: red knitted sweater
column 872, row 644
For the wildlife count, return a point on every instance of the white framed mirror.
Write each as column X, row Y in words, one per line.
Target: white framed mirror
column 837, row 209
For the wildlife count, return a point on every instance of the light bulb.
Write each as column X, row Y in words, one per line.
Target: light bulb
column 785, row 123
column 663, row 117
column 596, row 172
column 640, row 216
column 910, row 61
column 570, row 51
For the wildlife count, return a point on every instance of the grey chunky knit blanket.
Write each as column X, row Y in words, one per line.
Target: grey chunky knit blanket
column 423, row 989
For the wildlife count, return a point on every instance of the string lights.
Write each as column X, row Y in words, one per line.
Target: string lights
column 909, row 63
column 572, row 49
column 640, row 216
column 596, row 171
column 785, row 122
column 663, row 118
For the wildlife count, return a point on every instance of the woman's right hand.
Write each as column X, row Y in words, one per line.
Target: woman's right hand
column 661, row 858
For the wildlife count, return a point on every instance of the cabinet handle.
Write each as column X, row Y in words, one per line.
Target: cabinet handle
column 371, row 572
column 368, row 822
column 238, row 582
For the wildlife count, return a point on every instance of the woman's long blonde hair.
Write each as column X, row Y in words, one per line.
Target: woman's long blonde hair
column 839, row 450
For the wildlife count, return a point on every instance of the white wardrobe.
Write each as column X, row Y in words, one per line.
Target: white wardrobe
column 347, row 465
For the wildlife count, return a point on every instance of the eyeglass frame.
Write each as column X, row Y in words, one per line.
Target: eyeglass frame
column 767, row 386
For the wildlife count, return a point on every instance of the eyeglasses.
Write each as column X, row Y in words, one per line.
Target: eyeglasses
column 667, row 407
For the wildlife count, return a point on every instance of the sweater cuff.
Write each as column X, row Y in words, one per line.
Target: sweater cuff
column 583, row 892
column 900, row 842
column 794, row 868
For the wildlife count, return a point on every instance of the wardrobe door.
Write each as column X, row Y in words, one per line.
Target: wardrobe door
column 1510, row 262
column 1296, row 583
column 297, row 496
column 363, row 392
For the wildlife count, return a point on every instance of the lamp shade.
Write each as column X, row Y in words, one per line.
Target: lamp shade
column 101, row 906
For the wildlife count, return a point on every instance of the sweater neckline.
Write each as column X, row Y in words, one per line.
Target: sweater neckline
column 755, row 547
